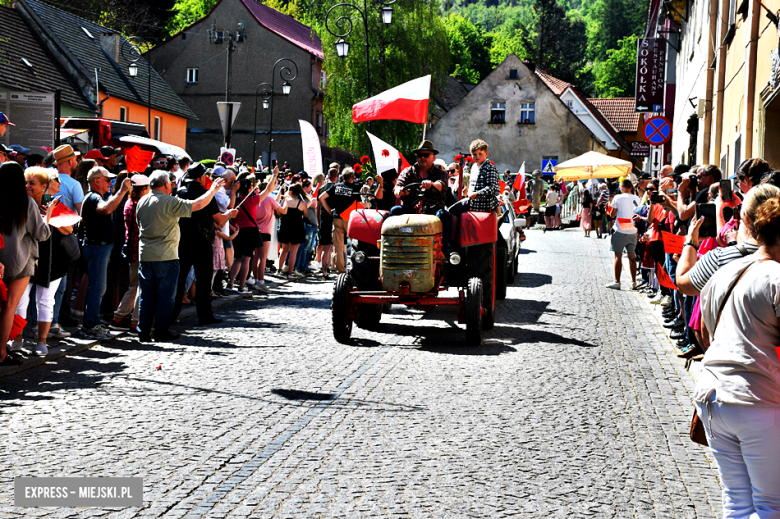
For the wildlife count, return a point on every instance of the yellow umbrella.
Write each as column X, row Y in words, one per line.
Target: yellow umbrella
column 592, row 165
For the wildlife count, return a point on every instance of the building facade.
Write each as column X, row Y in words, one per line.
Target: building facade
column 195, row 63
column 520, row 117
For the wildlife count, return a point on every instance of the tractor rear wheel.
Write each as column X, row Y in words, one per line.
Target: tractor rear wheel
column 512, row 270
column 342, row 322
column 474, row 312
column 480, row 265
column 368, row 316
column 501, row 273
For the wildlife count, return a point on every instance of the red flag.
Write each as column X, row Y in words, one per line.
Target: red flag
column 3, row 291
column 501, row 186
column 17, row 327
column 673, row 243
column 315, row 193
column 137, row 160
column 348, row 211
column 663, row 277
column 521, row 206
column 406, row 102
column 61, row 216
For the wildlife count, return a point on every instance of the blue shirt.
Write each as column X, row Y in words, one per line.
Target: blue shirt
column 70, row 191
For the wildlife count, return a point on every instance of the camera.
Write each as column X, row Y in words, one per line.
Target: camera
column 657, row 198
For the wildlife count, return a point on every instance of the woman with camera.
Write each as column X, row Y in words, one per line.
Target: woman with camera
column 292, row 231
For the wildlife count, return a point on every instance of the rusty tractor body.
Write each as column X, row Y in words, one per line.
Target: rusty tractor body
column 400, row 260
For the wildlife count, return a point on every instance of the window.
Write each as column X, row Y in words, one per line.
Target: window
column 323, row 79
column 123, row 113
column 192, row 75
column 512, row 73
column 737, row 155
column 157, row 128
column 219, row 36
column 497, row 113
column 732, row 23
column 527, row 111
column 318, row 122
column 570, row 104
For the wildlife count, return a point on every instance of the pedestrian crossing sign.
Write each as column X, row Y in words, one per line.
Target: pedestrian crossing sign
column 548, row 165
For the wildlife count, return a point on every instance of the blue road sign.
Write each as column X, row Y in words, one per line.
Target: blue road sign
column 657, row 131
column 548, row 165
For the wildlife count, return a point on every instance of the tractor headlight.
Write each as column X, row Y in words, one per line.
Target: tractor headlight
column 359, row 257
column 455, row 258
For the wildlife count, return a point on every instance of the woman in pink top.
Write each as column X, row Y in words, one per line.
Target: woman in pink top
column 248, row 239
column 266, row 211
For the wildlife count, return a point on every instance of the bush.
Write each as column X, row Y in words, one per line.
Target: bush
column 209, row 163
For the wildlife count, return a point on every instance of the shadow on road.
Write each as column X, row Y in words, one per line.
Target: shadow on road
column 297, row 394
column 525, row 336
column 532, row 280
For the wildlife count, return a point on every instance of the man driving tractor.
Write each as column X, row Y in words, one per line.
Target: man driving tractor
column 431, row 179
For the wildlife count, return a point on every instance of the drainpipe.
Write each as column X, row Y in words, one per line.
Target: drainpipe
column 706, row 138
column 751, row 78
column 724, row 8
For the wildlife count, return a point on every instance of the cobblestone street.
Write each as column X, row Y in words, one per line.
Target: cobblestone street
column 574, row 406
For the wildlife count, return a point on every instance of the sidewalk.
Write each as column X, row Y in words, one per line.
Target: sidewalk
column 73, row 345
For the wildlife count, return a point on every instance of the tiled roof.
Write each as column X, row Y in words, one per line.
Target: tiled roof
column 69, row 31
column 286, row 26
column 451, row 93
column 619, row 111
column 17, row 41
column 556, row 85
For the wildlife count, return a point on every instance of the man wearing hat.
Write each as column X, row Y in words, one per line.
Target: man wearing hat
column 4, row 153
column 335, row 200
column 197, row 241
column 98, row 240
column 432, row 178
column 71, row 192
column 4, row 123
column 641, row 186
column 98, row 157
column 20, row 154
column 112, row 157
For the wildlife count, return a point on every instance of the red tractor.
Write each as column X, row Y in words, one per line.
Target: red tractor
column 399, row 260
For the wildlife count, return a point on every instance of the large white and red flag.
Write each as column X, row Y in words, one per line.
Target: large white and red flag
column 385, row 156
column 407, row 102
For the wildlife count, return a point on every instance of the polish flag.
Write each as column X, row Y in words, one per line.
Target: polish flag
column 385, row 156
column 407, row 102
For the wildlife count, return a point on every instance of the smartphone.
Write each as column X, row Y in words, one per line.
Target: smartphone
column 708, row 227
column 46, row 199
column 657, row 198
column 726, row 190
column 273, row 163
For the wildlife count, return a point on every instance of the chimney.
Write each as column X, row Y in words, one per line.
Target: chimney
column 530, row 65
column 110, row 43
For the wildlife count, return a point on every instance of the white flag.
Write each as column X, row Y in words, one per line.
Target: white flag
column 386, row 156
column 312, row 154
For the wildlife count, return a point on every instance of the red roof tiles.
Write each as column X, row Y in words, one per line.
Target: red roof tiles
column 556, row 85
column 619, row 111
column 285, row 26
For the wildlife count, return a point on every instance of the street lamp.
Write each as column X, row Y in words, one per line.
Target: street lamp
column 268, row 92
column 131, row 53
column 343, row 25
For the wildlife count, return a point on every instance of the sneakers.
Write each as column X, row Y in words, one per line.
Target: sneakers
column 675, row 323
column 98, row 332
column 77, row 313
column 634, row 285
column 120, row 325
column 41, row 350
column 134, row 331
column 299, row 273
column 263, row 288
column 657, row 300
column 614, row 286
column 244, row 290
column 56, row 332
column 666, row 301
column 15, row 346
column 250, row 282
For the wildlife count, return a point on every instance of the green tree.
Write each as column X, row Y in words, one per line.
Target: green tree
column 469, row 49
column 609, row 21
column 189, row 12
column 618, row 73
column 413, row 46
column 558, row 43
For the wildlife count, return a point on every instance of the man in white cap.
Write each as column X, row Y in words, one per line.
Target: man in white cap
column 97, row 244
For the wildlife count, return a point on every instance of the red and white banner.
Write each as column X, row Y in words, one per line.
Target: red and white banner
column 406, row 102
column 312, row 154
column 385, row 156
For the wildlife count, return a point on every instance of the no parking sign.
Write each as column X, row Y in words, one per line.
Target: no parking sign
column 657, row 131
column 227, row 156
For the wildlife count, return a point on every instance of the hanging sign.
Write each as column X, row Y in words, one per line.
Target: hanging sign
column 650, row 75
column 640, row 149
column 657, row 131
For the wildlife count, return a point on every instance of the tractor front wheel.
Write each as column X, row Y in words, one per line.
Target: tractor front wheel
column 342, row 322
column 482, row 265
column 474, row 312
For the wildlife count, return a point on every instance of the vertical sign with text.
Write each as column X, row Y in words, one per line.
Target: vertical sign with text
column 650, row 74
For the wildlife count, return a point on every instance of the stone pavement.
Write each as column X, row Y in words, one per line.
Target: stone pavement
column 574, row 406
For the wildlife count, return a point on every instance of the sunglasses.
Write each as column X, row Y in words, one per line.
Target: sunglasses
column 423, row 155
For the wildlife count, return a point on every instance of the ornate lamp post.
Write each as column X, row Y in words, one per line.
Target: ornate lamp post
column 130, row 52
column 343, row 27
column 285, row 73
column 266, row 93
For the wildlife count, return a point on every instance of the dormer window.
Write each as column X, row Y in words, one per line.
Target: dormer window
column 89, row 34
column 512, row 73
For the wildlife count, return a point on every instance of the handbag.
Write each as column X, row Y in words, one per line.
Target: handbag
column 71, row 246
column 697, row 433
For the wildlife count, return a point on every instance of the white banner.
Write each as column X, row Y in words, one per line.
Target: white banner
column 386, row 156
column 312, row 154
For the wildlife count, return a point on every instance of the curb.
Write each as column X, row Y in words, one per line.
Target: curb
column 73, row 345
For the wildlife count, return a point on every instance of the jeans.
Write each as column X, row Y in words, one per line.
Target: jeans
column 97, row 257
column 129, row 302
column 745, row 440
column 157, row 280
column 306, row 248
column 688, row 302
column 199, row 256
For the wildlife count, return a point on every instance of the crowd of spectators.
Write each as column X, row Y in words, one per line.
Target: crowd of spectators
column 720, row 296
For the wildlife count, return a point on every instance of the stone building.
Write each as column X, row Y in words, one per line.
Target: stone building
column 195, row 64
column 520, row 117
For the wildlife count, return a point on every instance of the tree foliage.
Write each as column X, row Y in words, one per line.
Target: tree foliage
column 618, row 72
column 469, row 49
column 414, row 45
